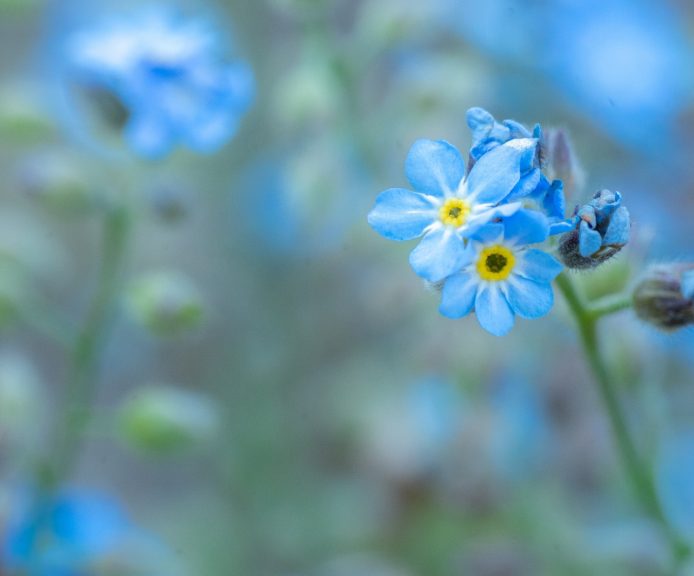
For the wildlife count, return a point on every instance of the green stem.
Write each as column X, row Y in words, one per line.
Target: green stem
column 587, row 317
column 88, row 344
column 610, row 305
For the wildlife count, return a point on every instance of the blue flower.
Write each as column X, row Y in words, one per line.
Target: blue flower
column 448, row 206
column 533, row 188
column 169, row 79
column 74, row 533
column 502, row 277
column 601, row 229
column 487, row 133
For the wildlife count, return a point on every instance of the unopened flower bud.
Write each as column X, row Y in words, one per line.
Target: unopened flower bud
column 164, row 419
column 167, row 303
column 601, row 229
column 665, row 296
column 561, row 160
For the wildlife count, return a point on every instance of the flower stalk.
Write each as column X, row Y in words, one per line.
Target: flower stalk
column 587, row 317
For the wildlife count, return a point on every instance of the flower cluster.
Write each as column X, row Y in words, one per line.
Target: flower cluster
column 165, row 82
column 478, row 225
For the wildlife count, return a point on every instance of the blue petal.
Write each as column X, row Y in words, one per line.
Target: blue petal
column 560, row 227
column 496, row 173
column 492, row 232
column 618, row 228
column 480, row 122
column 493, row 311
column 440, row 253
column 526, row 186
column 528, row 298
column 458, row 295
column 434, row 167
column 554, row 202
column 484, row 218
column 537, row 265
column 401, row 214
column 526, row 227
column 589, row 241
column 688, row 284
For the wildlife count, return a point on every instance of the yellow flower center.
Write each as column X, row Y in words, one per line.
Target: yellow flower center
column 495, row 263
column 454, row 212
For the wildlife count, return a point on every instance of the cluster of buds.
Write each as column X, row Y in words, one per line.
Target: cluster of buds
column 665, row 296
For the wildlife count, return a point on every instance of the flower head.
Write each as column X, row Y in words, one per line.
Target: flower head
column 448, row 206
column 165, row 80
column 501, row 277
column 601, row 229
column 487, row 133
column 665, row 296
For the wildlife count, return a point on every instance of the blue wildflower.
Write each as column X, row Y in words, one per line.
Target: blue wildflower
column 449, row 206
column 601, row 229
column 487, row 133
column 501, row 276
column 76, row 532
column 533, row 188
column 167, row 77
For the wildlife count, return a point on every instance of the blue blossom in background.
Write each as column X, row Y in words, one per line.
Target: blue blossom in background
column 502, row 277
column 168, row 76
column 77, row 532
column 448, row 207
column 674, row 476
column 624, row 63
column 601, row 229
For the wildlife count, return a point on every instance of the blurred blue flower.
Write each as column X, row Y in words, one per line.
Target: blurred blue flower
column 168, row 76
column 75, row 533
column 675, row 481
column 500, row 277
column 448, row 207
column 601, row 229
column 520, row 435
column 62, row 536
column 625, row 63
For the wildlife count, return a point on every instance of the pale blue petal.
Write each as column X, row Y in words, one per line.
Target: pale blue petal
column 560, row 227
column 529, row 299
column 554, row 202
column 496, row 173
column 526, row 186
column 618, row 229
column 688, row 284
column 483, row 218
column 493, row 310
column 440, row 253
column 537, row 265
column 434, row 167
column 458, row 295
column 480, row 122
column 492, row 232
column 589, row 241
column 526, row 227
column 401, row 214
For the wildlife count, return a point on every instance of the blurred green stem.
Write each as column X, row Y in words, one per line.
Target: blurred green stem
column 88, row 344
column 587, row 316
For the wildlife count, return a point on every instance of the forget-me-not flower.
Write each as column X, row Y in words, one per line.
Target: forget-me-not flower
column 487, row 133
column 501, row 277
column 449, row 206
column 169, row 77
column 601, row 229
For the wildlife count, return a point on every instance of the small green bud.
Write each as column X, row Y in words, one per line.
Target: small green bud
column 165, row 419
column 165, row 302
column 665, row 296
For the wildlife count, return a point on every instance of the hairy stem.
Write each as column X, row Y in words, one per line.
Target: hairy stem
column 586, row 317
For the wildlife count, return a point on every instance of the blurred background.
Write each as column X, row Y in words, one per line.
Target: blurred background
column 274, row 392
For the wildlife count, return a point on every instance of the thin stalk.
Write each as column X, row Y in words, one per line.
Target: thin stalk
column 86, row 349
column 586, row 318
